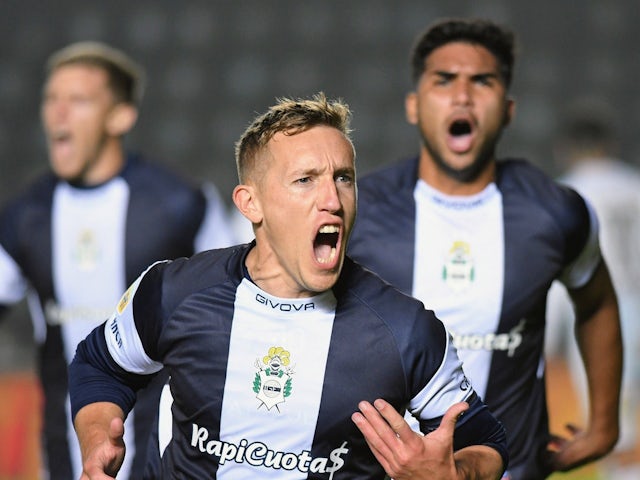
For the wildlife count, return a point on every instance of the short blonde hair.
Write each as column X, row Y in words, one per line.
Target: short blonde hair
column 289, row 117
column 126, row 77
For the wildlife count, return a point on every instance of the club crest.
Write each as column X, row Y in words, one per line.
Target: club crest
column 86, row 253
column 458, row 270
column 272, row 383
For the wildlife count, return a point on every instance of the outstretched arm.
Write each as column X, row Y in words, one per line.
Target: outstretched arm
column 405, row 454
column 599, row 338
column 100, row 428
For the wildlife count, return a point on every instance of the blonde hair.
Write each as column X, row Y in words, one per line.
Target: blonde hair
column 289, row 117
column 126, row 77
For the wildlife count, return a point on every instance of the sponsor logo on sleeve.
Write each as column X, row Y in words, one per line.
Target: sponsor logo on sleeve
column 124, row 301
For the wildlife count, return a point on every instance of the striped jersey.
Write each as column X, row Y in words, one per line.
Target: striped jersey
column 484, row 264
column 73, row 250
column 264, row 387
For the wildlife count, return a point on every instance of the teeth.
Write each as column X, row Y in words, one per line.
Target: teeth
column 332, row 255
column 329, row 229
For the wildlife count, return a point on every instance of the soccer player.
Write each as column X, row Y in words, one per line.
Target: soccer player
column 81, row 233
column 286, row 359
column 480, row 241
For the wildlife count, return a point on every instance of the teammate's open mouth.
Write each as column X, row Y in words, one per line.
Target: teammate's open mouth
column 460, row 138
column 460, row 127
column 324, row 245
column 60, row 136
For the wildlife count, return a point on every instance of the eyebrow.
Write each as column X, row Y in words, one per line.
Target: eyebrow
column 476, row 76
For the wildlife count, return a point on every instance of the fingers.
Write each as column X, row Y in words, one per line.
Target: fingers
column 401, row 451
column 573, row 429
column 557, row 442
column 394, row 422
column 375, row 430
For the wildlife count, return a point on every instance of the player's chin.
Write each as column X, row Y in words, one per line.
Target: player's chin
column 323, row 279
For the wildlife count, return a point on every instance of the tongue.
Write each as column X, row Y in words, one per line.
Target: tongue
column 459, row 143
column 322, row 251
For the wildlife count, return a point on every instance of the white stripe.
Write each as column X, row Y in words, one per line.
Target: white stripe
column 472, row 284
column 447, row 386
column 121, row 335
column 261, row 322
column 88, row 235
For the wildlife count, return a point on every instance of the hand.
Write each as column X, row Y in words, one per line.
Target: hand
column 105, row 458
column 404, row 453
column 579, row 448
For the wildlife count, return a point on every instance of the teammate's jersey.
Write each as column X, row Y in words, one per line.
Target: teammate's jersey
column 74, row 250
column 264, row 387
column 484, row 264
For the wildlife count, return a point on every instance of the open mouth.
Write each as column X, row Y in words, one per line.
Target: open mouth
column 60, row 139
column 460, row 135
column 460, row 127
column 60, row 136
column 325, row 243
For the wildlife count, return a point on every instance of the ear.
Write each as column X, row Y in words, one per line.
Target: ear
column 121, row 119
column 509, row 112
column 411, row 108
column 246, row 200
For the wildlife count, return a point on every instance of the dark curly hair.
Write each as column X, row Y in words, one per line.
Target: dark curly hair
column 495, row 38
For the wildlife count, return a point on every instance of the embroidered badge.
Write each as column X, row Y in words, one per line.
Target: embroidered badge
column 86, row 252
column 272, row 383
column 124, row 301
column 458, row 270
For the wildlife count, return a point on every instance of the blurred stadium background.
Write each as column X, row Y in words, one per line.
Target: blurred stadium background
column 211, row 65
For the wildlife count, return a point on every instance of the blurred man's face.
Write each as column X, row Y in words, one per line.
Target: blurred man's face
column 76, row 105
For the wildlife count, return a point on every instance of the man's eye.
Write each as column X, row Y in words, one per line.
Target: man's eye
column 345, row 178
column 304, row 180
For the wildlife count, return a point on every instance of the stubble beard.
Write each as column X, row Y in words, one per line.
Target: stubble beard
column 467, row 174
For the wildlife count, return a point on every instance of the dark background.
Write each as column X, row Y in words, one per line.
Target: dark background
column 212, row 65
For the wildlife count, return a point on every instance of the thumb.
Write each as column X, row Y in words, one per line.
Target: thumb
column 116, row 431
column 450, row 418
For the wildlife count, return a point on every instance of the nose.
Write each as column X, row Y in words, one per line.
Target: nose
column 462, row 92
column 328, row 197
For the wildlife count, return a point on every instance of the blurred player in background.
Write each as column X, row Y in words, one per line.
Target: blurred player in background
column 480, row 241
column 587, row 150
column 75, row 238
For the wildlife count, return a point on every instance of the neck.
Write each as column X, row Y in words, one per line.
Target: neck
column 109, row 163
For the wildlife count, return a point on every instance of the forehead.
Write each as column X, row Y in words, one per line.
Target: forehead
column 78, row 75
column 458, row 56
column 313, row 146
